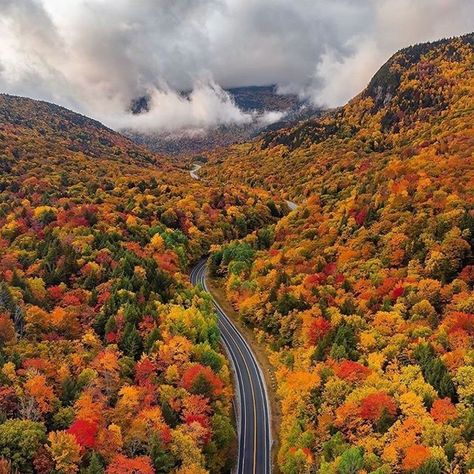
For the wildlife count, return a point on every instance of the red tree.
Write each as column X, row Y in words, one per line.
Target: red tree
column 201, row 380
column 123, row 465
column 145, row 371
column 397, row 292
column 373, row 406
column 9, row 402
column 318, row 328
column 351, row 371
column 85, row 432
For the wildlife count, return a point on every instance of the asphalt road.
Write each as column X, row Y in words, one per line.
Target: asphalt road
column 253, row 410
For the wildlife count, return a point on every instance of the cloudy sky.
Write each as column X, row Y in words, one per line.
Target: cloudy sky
column 95, row 56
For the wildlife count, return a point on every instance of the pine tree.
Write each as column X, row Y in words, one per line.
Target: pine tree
column 154, row 336
column 162, row 460
column 95, row 465
column 435, row 371
column 131, row 342
column 169, row 415
column 111, row 325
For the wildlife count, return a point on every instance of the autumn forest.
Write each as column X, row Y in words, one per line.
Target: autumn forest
column 360, row 297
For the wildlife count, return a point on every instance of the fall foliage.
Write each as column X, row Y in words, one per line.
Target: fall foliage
column 109, row 359
column 368, row 285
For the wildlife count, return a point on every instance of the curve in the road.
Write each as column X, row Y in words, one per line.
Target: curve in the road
column 193, row 172
column 253, row 408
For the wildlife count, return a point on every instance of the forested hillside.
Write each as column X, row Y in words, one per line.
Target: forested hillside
column 422, row 94
column 364, row 295
column 109, row 359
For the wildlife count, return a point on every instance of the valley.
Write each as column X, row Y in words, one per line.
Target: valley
column 341, row 241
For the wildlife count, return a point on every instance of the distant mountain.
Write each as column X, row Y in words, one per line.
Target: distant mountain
column 288, row 108
column 263, row 98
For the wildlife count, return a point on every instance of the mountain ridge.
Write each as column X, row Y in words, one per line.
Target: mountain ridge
column 81, row 133
column 356, row 120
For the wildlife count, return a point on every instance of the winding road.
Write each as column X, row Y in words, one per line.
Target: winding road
column 252, row 406
column 194, row 174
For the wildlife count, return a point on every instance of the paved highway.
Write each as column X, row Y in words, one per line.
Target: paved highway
column 253, row 410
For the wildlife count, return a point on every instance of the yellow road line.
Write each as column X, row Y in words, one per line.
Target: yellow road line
column 251, row 386
column 254, row 406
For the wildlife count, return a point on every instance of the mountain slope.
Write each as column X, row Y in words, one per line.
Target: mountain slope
column 414, row 92
column 364, row 294
column 52, row 125
column 110, row 359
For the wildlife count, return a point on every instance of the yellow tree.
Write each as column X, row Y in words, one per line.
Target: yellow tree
column 65, row 451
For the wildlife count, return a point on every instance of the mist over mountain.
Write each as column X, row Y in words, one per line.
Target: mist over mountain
column 265, row 108
column 98, row 56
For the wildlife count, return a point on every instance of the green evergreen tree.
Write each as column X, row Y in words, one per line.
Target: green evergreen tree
column 435, row 371
column 155, row 335
column 95, row 465
column 351, row 461
column 131, row 342
column 111, row 325
column 169, row 415
column 163, row 461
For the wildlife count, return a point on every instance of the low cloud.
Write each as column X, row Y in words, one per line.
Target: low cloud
column 97, row 56
column 270, row 117
column 206, row 106
column 395, row 25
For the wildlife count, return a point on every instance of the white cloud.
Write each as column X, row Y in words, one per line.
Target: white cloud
column 341, row 77
column 271, row 116
column 208, row 105
column 396, row 24
column 96, row 56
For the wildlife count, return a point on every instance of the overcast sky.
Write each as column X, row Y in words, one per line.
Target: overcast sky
column 95, row 56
